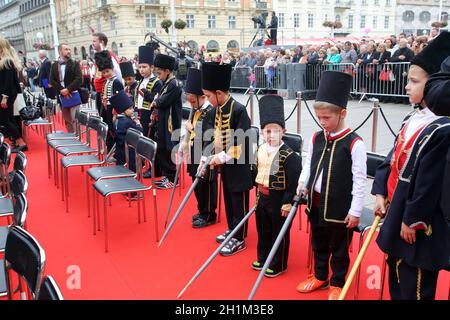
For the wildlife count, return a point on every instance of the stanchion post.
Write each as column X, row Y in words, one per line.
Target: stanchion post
column 376, row 107
column 251, row 92
column 299, row 112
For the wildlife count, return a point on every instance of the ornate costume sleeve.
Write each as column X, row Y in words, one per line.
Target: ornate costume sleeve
column 293, row 168
column 149, row 96
column 240, row 146
column 166, row 100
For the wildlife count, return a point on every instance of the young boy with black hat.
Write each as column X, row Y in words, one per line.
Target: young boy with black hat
column 206, row 189
column 279, row 168
column 167, row 114
column 230, row 121
column 111, row 87
column 415, row 234
column 148, row 87
column 129, row 77
column 334, row 177
column 123, row 106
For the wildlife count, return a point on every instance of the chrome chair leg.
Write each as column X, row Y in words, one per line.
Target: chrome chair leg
column 62, row 184
column 383, row 277
column 138, row 207
column 143, row 207
column 49, row 167
column 88, row 196
column 66, row 178
column 94, row 214
column 219, row 195
column 105, row 211
column 155, row 213
column 98, row 213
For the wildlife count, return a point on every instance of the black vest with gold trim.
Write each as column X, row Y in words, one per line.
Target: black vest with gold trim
column 149, row 87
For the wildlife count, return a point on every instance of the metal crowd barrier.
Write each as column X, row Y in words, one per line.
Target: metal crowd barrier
column 388, row 79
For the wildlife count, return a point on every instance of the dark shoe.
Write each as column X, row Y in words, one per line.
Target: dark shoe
column 22, row 148
column 195, row 216
column 147, row 174
column 256, row 265
column 273, row 273
column 201, row 222
column 223, row 236
column 232, row 247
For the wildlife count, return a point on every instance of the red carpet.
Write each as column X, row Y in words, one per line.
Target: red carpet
column 136, row 269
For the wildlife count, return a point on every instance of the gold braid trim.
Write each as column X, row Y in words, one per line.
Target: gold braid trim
column 419, row 282
column 396, row 269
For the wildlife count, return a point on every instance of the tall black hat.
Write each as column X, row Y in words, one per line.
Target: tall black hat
column 437, row 93
column 194, row 82
column 164, row 61
column 146, row 54
column 432, row 56
column 127, row 69
column 334, row 88
column 271, row 110
column 103, row 60
column 216, row 76
column 121, row 102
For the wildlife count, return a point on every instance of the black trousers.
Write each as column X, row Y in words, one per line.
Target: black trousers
column 164, row 164
column 268, row 224
column 50, row 93
column 144, row 118
column 410, row 283
column 206, row 195
column 330, row 242
column 236, row 206
column 107, row 117
column 273, row 36
column 98, row 102
column 7, row 119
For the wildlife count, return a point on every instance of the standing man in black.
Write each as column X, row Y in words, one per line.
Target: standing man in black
column 273, row 29
column 44, row 75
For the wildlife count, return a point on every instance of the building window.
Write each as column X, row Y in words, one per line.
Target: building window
column 232, row 44
column 150, row 20
column 364, row 2
column 310, row 20
column 408, row 16
column 296, row 20
column 350, row 21
column 232, row 22
column 386, row 22
column 424, row 16
column 281, row 20
column 444, row 16
column 388, row 3
column 190, row 21
column 375, row 22
column 325, row 18
column 338, row 18
column 99, row 25
column 377, row 2
column 362, row 23
column 193, row 45
column 212, row 45
column 112, row 22
column 115, row 49
column 211, row 22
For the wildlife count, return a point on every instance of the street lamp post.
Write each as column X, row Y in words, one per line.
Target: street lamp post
column 172, row 16
column 54, row 28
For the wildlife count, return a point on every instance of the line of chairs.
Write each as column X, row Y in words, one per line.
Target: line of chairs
column 23, row 254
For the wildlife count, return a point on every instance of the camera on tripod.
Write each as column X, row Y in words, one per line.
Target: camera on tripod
column 260, row 20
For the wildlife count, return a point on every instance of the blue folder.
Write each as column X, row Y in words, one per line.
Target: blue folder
column 74, row 100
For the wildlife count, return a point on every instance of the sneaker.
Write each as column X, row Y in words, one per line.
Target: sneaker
column 232, row 247
column 223, row 236
column 256, row 265
column 334, row 293
column 166, row 185
column 202, row 222
column 311, row 284
column 270, row 273
column 162, row 181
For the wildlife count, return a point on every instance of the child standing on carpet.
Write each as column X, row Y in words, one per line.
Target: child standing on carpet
column 279, row 168
column 334, row 178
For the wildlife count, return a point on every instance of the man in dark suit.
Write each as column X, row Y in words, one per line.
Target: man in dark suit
column 273, row 29
column 65, row 77
column 44, row 75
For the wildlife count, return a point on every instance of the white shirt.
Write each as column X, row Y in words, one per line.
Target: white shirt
column 419, row 119
column 63, row 74
column 359, row 173
column 143, row 85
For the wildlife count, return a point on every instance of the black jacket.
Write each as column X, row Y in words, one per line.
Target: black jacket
column 408, row 53
column 9, row 81
column 44, row 71
column 72, row 76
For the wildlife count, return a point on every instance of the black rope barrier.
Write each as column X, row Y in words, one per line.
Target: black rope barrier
column 364, row 122
column 387, row 123
column 310, row 112
column 292, row 112
column 248, row 100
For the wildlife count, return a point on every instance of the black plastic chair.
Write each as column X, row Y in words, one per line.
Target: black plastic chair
column 84, row 160
column 46, row 123
column 111, row 172
column 49, row 290
column 294, row 141
column 25, row 256
column 146, row 150
column 5, row 159
column 19, row 218
column 19, row 184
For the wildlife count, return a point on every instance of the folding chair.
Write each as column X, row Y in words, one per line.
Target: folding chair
column 46, row 123
column 49, row 290
column 109, row 172
column 19, row 184
column 84, row 159
column 146, row 150
column 20, row 216
column 25, row 256
column 5, row 159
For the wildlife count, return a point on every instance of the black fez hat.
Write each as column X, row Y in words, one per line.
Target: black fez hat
column 103, row 60
column 121, row 102
column 437, row 94
column 334, row 88
column 164, row 61
column 216, row 76
column 271, row 110
column 127, row 69
column 146, row 54
column 194, row 82
column 432, row 56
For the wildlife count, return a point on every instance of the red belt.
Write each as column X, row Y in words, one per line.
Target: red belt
column 263, row 190
column 316, row 199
